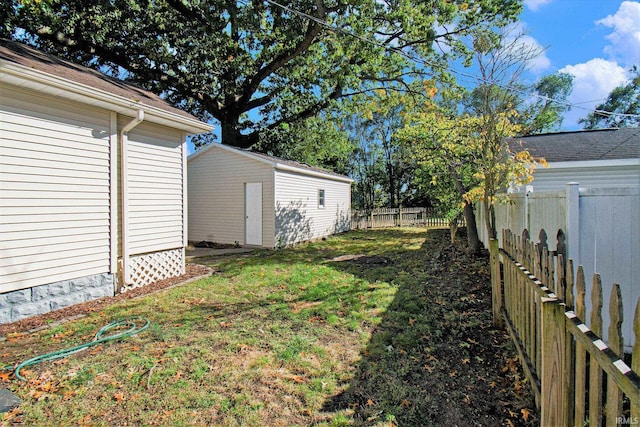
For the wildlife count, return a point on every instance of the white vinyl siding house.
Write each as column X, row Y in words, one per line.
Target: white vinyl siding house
column 155, row 189
column 92, row 184
column 222, row 182
column 54, row 190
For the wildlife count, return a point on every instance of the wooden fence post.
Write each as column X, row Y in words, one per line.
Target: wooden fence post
column 570, row 346
column 595, row 372
column 635, row 360
column 552, row 378
column 496, row 283
column 580, row 383
column 614, row 394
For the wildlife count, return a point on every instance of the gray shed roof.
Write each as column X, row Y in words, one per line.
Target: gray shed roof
column 277, row 162
column 32, row 59
column 601, row 144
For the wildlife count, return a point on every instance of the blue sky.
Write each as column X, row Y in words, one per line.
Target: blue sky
column 596, row 41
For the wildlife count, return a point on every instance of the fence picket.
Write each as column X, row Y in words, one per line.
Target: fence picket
column 614, row 394
column 570, row 345
column 566, row 360
column 595, row 372
column 635, row 360
column 581, row 354
column 393, row 217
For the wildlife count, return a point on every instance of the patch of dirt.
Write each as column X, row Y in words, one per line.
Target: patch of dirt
column 436, row 358
column 79, row 310
column 363, row 259
column 213, row 245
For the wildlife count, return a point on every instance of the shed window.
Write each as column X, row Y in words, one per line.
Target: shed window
column 321, row 198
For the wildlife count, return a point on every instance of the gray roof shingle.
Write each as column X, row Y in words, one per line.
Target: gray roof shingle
column 24, row 55
column 601, row 144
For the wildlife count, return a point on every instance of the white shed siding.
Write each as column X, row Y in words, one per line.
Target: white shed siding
column 54, row 187
column 298, row 216
column 154, row 189
column 216, row 182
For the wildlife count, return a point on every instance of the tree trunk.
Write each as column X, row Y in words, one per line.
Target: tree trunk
column 231, row 136
column 473, row 241
column 490, row 219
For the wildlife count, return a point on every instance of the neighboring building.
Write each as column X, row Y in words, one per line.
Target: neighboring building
column 92, row 184
column 251, row 199
column 594, row 158
column 591, row 190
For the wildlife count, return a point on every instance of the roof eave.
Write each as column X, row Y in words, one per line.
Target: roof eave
column 275, row 165
column 49, row 84
column 317, row 174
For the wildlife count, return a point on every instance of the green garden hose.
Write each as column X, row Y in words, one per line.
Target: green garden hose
column 131, row 323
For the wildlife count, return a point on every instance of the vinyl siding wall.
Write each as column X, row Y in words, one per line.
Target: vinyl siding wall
column 624, row 174
column 155, row 188
column 298, row 215
column 216, row 181
column 54, row 190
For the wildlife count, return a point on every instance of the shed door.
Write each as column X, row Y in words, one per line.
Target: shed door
column 253, row 213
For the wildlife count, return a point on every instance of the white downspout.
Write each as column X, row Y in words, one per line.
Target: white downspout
column 124, row 174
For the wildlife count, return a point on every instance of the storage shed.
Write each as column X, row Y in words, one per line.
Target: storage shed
column 92, row 184
column 251, row 199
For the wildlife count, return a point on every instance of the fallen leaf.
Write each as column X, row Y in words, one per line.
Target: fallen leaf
column 525, row 414
column 96, row 350
column 4, row 376
column 466, row 361
column 36, row 394
column 370, row 402
column 406, row 403
column 118, row 397
column 467, row 399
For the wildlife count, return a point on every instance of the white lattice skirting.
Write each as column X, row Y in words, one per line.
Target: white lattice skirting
column 149, row 268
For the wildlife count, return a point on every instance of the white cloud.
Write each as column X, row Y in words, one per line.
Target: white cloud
column 592, row 83
column 520, row 41
column 534, row 5
column 541, row 62
column 625, row 38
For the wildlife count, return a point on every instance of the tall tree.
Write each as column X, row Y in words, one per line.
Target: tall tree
column 317, row 141
column 250, row 65
column 382, row 114
column 621, row 109
column 444, row 144
column 501, row 58
column 545, row 114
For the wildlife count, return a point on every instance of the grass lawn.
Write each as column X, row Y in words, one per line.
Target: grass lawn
column 384, row 327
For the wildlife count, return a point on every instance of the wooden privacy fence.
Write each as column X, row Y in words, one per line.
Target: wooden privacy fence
column 398, row 217
column 577, row 379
